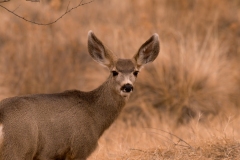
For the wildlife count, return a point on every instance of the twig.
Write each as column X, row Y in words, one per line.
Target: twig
column 67, row 6
column 168, row 139
column 45, row 24
column 33, row 0
column 4, row 1
column 16, row 8
column 180, row 139
column 134, row 149
column 81, row 1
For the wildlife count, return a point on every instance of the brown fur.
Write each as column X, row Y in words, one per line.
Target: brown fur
column 125, row 65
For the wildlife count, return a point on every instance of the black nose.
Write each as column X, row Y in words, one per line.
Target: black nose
column 127, row 88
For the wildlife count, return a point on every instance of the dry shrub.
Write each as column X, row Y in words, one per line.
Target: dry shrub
column 44, row 59
column 214, row 139
column 33, row 65
column 213, row 149
column 196, row 71
column 186, row 80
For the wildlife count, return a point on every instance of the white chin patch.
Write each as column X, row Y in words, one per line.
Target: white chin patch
column 125, row 94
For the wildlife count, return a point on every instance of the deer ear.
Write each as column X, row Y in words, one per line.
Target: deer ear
column 148, row 52
column 98, row 51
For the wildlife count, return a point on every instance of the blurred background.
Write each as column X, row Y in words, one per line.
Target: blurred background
column 196, row 77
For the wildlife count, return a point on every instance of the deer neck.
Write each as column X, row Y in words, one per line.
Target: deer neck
column 107, row 104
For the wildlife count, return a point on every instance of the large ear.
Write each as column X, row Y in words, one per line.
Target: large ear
column 99, row 52
column 148, row 52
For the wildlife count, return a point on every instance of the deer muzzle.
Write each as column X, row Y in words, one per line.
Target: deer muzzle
column 127, row 88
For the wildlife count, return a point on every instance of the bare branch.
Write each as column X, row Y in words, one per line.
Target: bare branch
column 4, row 1
column 16, row 8
column 67, row 6
column 33, row 0
column 44, row 24
column 81, row 1
column 180, row 139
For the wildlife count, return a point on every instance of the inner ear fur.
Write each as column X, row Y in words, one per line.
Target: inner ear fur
column 148, row 52
column 99, row 52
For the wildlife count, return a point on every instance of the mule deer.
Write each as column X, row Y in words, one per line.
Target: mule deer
column 68, row 125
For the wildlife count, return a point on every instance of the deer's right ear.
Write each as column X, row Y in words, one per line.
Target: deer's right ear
column 98, row 51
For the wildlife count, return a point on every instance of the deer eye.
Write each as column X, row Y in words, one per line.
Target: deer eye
column 135, row 73
column 114, row 73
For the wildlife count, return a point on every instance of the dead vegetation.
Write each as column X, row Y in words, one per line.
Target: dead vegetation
column 213, row 149
column 191, row 91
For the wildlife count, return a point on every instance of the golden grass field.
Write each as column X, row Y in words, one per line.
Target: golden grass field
column 185, row 105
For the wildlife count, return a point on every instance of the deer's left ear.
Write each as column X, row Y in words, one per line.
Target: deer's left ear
column 148, row 52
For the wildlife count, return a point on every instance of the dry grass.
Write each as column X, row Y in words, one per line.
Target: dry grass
column 191, row 91
column 213, row 139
